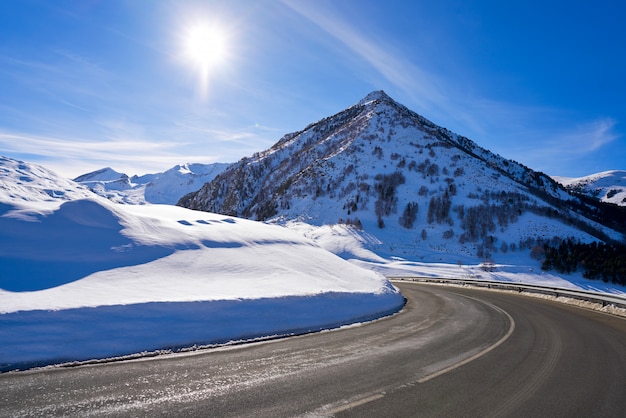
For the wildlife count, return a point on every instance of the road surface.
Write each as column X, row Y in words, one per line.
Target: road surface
column 450, row 352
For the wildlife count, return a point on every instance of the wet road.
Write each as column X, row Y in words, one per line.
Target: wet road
column 450, row 352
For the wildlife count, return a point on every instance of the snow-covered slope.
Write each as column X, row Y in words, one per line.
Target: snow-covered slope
column 608, row 186
column 410, row 188
column 114, row 279
column 22, row 182
column 165, row 188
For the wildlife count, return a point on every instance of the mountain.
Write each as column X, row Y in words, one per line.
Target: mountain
column 409, row 187
column 166, row 187
column 608, row 186
column 104, row 174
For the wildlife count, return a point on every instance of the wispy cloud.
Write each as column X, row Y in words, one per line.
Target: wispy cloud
column 468, row 113
column 559, row 150
column 68, row 156
column 8, row 61
column 132, row 148
column 589, row 137
column 65, row 78
column 422, row 86
column 70, row 148
column 85, row 65
column 241, row 135
column 535, row 134
column 575, row 141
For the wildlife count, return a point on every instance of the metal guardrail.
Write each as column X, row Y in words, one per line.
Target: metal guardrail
column 594, row 297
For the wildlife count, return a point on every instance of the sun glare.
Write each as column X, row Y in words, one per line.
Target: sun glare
column 205, row 47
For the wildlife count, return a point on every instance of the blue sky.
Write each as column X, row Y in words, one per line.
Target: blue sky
column 86, row 84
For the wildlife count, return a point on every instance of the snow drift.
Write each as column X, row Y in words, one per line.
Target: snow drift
column 84, row 278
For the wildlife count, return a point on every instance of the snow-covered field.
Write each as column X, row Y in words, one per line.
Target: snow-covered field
column 84, row 278
column 514, row 266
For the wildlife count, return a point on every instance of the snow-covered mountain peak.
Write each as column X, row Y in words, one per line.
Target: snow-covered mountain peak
column 607, row 186
column 104, row 174
column 166, row 187
column 183, row 168
column 378, row 95
column 388, row 170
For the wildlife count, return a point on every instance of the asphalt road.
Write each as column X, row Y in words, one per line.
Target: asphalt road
column 450, row 352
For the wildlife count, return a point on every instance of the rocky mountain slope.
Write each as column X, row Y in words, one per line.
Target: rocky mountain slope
column 409, row 186
column 166, row 188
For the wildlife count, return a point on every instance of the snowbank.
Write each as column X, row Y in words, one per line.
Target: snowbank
column 38, row 338
column 84, row 278
column 90, row 253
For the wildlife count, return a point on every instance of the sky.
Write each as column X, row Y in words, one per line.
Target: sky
column 141, row 86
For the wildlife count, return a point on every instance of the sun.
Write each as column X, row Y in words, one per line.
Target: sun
column 205, row 47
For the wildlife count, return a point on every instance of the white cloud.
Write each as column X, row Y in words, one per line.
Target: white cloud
column 71, row 157
column 588, row 137
column 52, row 146
column 575, row 142
column 132, row 148
column 556, row 151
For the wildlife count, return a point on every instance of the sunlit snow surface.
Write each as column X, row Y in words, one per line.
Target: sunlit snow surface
column 371, row 252
column 160, row 253
column 608, row 186
column 83, row 278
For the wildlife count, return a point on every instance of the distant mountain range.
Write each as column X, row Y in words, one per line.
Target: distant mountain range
column 608, row 186
column 166, row 188
column 413, row 187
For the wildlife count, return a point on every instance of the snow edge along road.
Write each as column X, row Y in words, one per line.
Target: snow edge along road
column 123, row 331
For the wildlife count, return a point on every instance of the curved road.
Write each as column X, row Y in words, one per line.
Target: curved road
column 450, row 352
